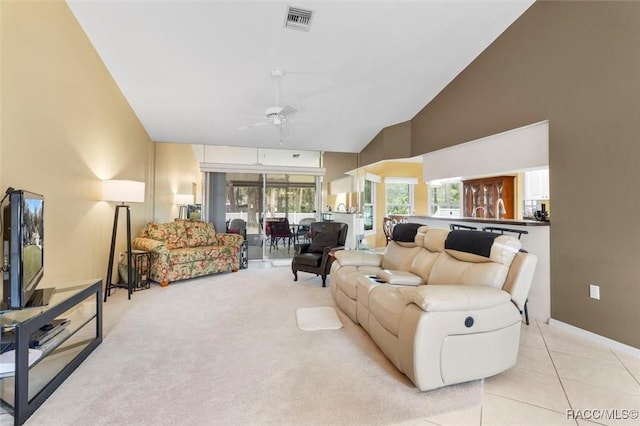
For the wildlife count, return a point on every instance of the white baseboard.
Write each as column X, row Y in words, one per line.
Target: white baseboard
column 612, row 344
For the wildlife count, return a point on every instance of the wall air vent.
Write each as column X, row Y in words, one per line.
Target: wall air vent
column 298, row 19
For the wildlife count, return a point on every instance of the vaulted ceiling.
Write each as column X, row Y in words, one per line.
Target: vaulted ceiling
column 201, row 72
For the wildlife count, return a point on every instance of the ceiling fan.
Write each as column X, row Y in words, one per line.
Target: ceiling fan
column 275, row 115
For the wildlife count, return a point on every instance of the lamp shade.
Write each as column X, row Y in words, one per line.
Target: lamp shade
column 184, row 199
column 126, row 191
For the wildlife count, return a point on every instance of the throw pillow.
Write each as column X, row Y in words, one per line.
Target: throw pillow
column 173, row 233
column 201, row 233
column 322, row 240
column 405, row 232
column 471, row 242
column 176, row 235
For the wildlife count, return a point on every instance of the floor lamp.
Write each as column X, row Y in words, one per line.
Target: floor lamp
column 124, row 191
column 183, row 200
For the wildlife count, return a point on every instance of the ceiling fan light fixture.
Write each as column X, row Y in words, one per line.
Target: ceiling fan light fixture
column 273, row 111
column 276, row 115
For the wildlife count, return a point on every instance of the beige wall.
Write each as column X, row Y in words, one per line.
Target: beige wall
column 2, row 38
column 392, row 142
column 397, row 140
column 373, row 152
column 337, row 163
column 177, row 170
column 65, row 126
column 576, row 64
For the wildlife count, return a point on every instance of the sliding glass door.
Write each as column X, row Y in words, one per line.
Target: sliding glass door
column 262, row 199
column 288, row 199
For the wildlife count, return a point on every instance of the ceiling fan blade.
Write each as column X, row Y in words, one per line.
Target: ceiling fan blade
column 288, row 110
column 282, row 73
column 298, row 120
column 264, row 123
column 307, row 72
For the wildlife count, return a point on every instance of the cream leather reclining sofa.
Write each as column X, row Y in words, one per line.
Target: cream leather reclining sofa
column 445, row 308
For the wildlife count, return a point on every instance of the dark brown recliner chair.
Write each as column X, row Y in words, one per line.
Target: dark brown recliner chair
column 314, row 257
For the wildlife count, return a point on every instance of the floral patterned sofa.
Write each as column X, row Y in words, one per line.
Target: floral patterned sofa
column 187, row 249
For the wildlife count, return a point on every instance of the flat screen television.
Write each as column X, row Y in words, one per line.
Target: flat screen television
column 23, row 250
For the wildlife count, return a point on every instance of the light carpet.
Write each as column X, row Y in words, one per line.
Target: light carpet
column 226, row 350
column 318, row 318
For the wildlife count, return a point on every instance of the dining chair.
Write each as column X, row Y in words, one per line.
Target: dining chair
column 280, row 231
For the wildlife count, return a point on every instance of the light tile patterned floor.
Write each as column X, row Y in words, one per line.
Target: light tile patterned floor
column 556, row 371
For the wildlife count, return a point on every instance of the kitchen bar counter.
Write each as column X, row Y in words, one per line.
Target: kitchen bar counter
column 535, row 241
column 517, row 222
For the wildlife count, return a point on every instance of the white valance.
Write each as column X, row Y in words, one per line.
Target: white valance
column 259, row 168
column 405, row 180
column 373, row 178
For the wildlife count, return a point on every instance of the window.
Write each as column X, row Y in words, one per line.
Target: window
column 369, row 203
column 445, row 199
column 399, row 198
column 399, row 194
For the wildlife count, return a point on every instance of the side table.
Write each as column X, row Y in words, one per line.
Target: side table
column 141, row 268
column 244, row 255
column 141, row 263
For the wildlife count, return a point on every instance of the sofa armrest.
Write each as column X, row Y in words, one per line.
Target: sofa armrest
column 158, row 250
column 443, row 298
column 399, row 277
column 332, row 250
column 357, row 258
column 328, row 255
column 520, row 277
column 148, row 244
column 225, row 239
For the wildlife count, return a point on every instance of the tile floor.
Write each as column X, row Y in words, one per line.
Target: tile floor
column 281, row 251
column 557, row 372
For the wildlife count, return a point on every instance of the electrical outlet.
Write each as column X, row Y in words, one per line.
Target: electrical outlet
column 594, row 291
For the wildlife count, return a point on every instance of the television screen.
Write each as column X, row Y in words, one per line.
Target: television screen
column 23, row 250
column 32, row 239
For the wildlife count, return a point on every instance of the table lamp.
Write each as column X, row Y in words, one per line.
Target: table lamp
column 183, row 200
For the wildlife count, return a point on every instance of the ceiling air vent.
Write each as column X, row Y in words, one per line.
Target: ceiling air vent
column 298, row 19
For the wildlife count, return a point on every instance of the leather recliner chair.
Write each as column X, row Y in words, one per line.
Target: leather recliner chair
column 314, row 257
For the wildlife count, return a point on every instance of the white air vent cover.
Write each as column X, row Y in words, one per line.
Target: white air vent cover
column 298, row 19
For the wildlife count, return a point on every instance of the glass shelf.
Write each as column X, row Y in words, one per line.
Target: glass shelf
column 27, row 381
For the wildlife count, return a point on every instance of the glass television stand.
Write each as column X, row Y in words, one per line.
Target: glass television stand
column 41, row 346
